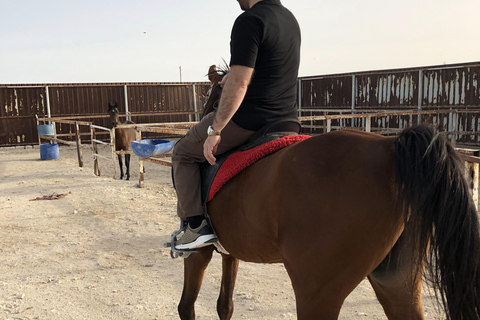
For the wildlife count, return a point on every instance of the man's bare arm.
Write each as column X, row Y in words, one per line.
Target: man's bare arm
column 234, row 91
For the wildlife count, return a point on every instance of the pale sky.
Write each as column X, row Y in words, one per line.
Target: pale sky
column 96, row 41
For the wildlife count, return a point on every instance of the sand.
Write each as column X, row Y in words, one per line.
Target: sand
column 97, row 252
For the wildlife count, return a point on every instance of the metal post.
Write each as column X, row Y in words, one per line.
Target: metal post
column 299, row 97
column 47, row 98
column 420, row 95
column 353, row 92
column 197, row 116
column 125, row 93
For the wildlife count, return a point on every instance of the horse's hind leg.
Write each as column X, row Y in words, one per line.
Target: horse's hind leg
column 229, row 275
column 397, row 288
column 194, row 268
column 127, row 165
column 120, row 162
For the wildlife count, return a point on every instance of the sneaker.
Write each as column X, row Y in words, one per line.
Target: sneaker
column 196, row 238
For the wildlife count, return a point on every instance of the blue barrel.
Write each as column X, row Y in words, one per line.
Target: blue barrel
column 49, row 151
column 45, row 130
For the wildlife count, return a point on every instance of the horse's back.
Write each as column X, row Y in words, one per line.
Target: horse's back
column 123, row 137
column 330, row 184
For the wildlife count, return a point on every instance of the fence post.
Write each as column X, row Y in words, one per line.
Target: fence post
column 79, row 145
column 141, row 177
column 112, row 143
column 454, row 126
column 96, row 169
column 368, row 123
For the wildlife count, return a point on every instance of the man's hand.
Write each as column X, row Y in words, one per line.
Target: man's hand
column 210, row 148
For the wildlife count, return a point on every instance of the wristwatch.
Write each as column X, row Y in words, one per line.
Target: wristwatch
column 212, row 132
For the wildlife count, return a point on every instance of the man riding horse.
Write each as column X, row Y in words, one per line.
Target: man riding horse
column 260, row 88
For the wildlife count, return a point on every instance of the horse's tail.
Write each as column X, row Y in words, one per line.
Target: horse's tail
column 441, row 219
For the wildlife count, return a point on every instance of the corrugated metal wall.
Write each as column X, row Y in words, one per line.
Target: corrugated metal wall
column 423, row 88
column 20, row 103
column 414, row 88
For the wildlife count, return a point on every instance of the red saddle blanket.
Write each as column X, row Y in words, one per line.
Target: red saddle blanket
column 240, row 160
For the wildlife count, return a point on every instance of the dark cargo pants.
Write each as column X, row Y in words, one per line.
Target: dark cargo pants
column 187, row 156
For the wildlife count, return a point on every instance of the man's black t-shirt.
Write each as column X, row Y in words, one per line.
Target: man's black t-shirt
column 267, row 38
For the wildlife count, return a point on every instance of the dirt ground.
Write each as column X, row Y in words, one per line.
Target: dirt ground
column 97, row 253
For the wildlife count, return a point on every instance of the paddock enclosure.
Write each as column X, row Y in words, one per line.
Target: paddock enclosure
column 384, row 102
column 109, row 248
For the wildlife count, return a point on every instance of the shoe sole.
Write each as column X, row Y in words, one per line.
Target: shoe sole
column 200, row 242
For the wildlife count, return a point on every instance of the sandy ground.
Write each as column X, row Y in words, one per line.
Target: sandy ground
column 98, row 252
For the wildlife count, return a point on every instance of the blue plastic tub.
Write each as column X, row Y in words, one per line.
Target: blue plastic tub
column 49, row 151
column 45, row 130
column 151, row 147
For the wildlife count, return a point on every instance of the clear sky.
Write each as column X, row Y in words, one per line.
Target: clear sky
column 70, row 41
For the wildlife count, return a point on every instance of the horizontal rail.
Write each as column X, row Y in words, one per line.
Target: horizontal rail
column 82, row 123
column 174, row 113
column 100, row 127
column 100, row 141
column 469, row 158
column 56, row 140
column 382, row 114
column 158, row 161
column 100, row 156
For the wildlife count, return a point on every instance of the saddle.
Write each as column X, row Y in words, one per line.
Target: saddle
column 268, row 133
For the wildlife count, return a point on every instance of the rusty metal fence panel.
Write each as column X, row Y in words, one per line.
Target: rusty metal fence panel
column 451, row 86
column 423, row 88
column 20, row 104
column 414, row 88
column 18, row 107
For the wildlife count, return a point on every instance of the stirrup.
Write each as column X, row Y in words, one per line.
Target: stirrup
column 175, row 253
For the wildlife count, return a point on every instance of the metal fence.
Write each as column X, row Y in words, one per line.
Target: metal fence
column 421, row 88
column 143, row 102
column 454, row 86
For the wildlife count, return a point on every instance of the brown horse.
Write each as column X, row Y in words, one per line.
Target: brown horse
column 123, row 137
column 346, row 205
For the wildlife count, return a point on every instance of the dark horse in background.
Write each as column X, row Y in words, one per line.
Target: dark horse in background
column 123, row 137
column 342, row 206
